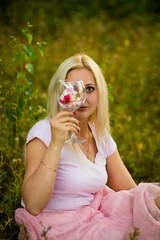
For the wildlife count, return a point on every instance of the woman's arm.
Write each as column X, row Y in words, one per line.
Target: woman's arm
column 42, row 163
column 39, row 181
column 118, row 175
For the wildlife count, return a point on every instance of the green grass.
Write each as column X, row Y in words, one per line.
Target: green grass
column 128, row 52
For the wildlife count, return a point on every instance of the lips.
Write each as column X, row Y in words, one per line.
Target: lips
column 82, row 108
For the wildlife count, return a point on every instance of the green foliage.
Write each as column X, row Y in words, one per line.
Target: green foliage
column 135, row 234
column 16, row 111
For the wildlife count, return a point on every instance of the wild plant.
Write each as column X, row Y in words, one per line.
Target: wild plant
column 16, row 96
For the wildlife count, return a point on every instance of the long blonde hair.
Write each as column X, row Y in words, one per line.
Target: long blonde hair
column 101, row 117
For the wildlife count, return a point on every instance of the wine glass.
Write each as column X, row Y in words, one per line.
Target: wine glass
column 70, row 96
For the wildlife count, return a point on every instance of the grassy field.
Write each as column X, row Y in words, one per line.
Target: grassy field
column 128, row 52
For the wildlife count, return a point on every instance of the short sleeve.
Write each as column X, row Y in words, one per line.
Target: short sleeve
column 108, row 145
column 41, row 130
column 111, row 146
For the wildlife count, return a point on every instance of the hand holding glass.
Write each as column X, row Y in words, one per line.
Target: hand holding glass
column 71, row 95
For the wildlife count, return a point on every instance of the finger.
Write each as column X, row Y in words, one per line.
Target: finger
column 72, row 127
column 69, row 119
column 64, row 117
column 59, row 126
column 65, row 114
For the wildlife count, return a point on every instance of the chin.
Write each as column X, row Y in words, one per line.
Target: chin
column 82, row 115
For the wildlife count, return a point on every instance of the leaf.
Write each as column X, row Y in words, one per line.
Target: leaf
column 29, row 24
column 109, row 88
column 26, row 57
column 29, row 82
column 111, row 98
column 27, row 92
column 44, row 43
column 18, row 87
column 20, row 75
column 34, row 56
column 29, row 37
column 11, row 42
column 29, row 51
column 41, row 43
column 15, row 58
column 30, row 68
column 24, row 31
column 40, row 50
column 31, row 108
column 15, row 46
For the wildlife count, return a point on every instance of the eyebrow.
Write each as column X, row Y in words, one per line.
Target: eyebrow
column 88, row 84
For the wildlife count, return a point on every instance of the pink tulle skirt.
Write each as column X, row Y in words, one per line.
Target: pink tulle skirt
column 111, row 216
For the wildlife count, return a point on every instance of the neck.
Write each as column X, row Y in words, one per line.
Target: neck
column 84, row 129
column 87, row 136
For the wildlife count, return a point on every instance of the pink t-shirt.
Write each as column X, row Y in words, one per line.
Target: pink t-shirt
column 78, row 179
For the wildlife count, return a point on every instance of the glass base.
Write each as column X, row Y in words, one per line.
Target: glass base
column 74, row 140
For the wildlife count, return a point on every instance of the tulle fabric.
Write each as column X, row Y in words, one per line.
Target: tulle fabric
column 111, row 216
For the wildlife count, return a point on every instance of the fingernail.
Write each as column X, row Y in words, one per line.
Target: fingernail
column 74, row 113
column 79, row 123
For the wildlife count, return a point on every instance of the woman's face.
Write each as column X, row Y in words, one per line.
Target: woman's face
column 90, row 105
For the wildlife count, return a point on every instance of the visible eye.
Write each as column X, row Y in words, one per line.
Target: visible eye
column 89, row 89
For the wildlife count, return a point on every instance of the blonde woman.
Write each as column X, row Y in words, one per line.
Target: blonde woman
column 64, row 190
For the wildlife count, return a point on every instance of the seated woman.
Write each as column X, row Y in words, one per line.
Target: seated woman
column 64, row 190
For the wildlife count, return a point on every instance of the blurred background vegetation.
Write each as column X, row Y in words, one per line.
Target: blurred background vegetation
column 121, row 36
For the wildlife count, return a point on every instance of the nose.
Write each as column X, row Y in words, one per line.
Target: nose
column 85, row 99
